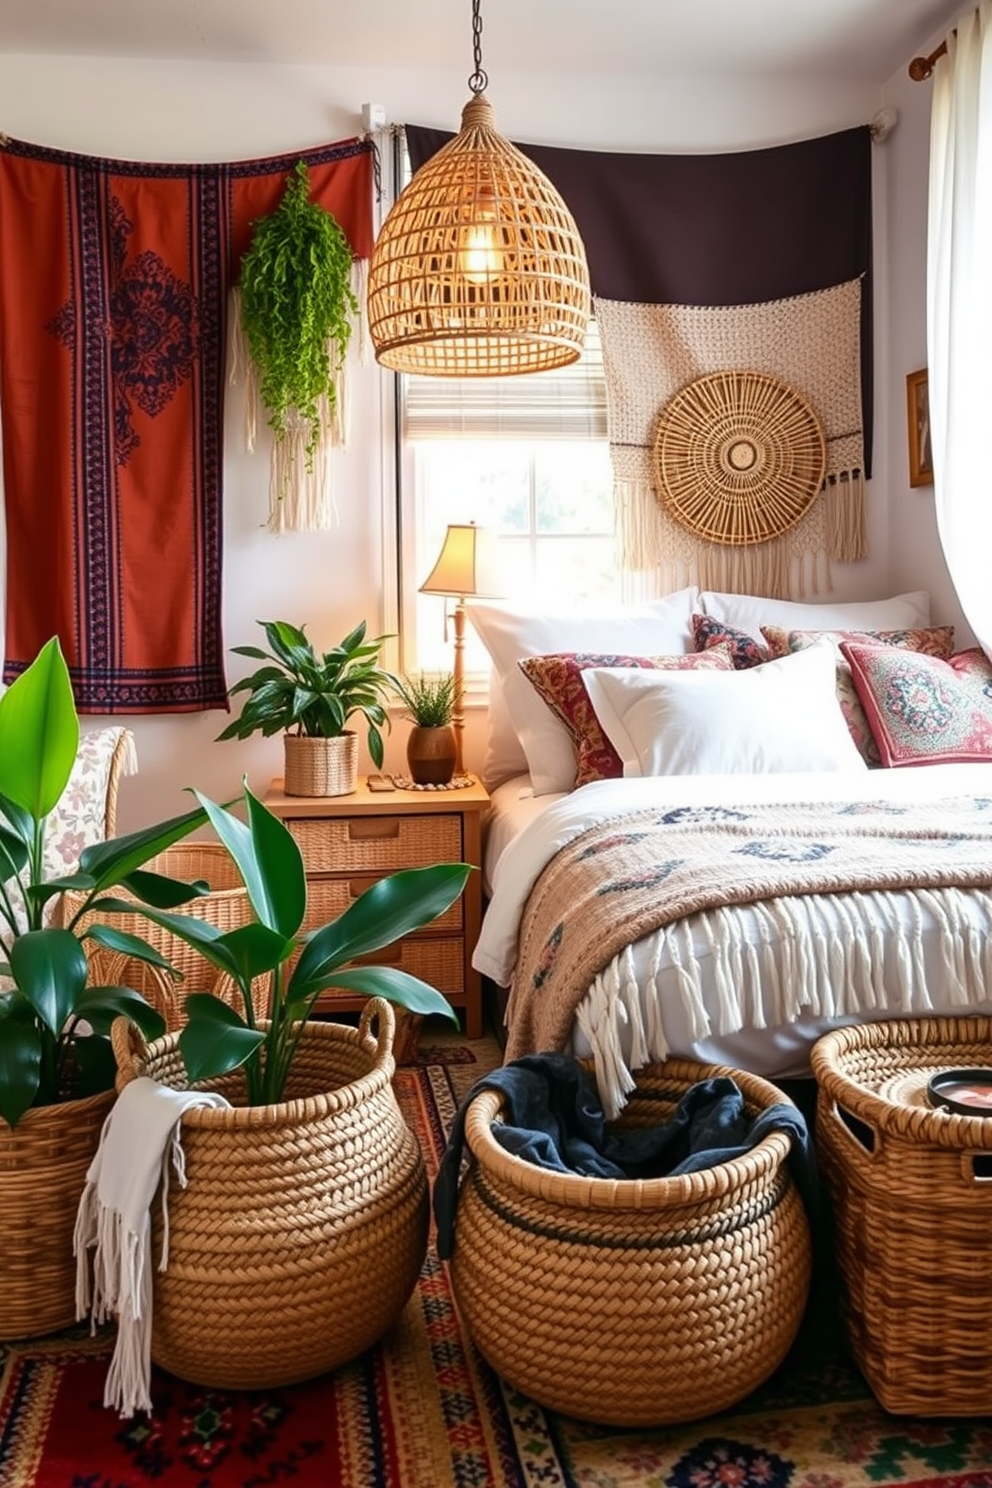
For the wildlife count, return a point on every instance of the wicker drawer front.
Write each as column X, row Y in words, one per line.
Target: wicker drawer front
column 377, row 843
column 439, row 962
column 329, row 897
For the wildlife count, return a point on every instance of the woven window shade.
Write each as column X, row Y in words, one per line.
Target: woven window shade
column 478, row 270
column 563, row 403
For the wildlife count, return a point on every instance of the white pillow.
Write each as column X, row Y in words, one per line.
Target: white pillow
column 524, row 734
column 768, row 719
column 749, row 613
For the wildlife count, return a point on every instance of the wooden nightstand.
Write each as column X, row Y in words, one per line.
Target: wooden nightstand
column 349, row 841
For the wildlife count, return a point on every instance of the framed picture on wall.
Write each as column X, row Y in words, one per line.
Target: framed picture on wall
column 918, row 424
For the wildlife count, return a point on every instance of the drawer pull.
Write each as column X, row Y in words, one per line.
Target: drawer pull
column 389, row 955
column 366, row 829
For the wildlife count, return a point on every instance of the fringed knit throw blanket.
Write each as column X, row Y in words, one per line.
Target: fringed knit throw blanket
column 648, row 870
column 113, row 285
column 757, row 260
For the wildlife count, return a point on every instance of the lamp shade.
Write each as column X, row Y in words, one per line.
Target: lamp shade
column 478, row 269
column 466, row 564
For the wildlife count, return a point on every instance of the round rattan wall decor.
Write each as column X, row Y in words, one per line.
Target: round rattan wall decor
column 738, row 457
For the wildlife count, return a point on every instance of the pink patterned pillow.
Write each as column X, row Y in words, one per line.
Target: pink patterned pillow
column 932, row 641
column 924, row 710
column 558, row 680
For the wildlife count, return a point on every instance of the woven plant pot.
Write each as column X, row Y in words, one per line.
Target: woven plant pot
column 320, row 767
column 639, row 1302
column 303, row 1226
column 912, row 1208
column 43, row 1164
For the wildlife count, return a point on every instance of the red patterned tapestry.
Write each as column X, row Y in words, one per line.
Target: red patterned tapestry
column 113, row 294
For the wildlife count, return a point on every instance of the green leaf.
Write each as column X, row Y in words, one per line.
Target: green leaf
column 20, row 1064
column 50, row 970
column 111, row 861
column 256, row 949
column 391, row 908
column 129, row 945
column 162, row 892
column 206, row 938
column 39, row 733
column 396, row 986
column 13, row 854
column 19, row 819
column 281, row 870
column 96, row 1064
column 101, row 1005
column 215, row 1039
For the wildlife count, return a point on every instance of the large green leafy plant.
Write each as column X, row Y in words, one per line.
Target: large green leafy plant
column 299, row 965
column 309, row 692
column 54, row 1026
column 297, row 307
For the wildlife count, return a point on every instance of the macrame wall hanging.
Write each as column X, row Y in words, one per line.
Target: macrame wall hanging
column 786, row 367
column 294, row 311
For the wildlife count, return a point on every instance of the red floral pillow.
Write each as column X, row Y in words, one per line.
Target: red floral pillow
column 924, row 710
column 745, row 651
column 558, row 680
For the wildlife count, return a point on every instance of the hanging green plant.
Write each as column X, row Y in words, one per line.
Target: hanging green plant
column 297, row 308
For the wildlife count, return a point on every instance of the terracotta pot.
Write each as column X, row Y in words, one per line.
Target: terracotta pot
column 430, row 755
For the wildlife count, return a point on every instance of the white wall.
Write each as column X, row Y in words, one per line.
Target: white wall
column 915, row 557
column 191, row 111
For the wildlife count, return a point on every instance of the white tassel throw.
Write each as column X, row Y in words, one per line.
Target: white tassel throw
column 138, row 1146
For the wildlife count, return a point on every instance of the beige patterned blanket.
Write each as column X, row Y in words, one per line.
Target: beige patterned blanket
column 646, row 871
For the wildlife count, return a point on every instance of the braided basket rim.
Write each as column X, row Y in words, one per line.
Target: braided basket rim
column 297, row 1109
column 575, row 1190
column 936, row 1127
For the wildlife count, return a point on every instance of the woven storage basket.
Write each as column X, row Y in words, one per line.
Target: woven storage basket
column 227, row 906
column 43, row 1164
column 912, row 1211
column 320, row 767
column 303, row 1226
column 633, row 1302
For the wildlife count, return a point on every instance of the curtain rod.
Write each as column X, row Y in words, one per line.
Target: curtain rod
column 921, row 67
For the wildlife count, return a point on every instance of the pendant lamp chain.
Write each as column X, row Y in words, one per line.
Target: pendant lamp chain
column 479, row 269
column 479, row 81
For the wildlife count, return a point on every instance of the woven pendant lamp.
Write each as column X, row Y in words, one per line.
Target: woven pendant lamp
column 478, row 270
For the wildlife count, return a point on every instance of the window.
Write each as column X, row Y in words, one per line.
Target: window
column 526, row 457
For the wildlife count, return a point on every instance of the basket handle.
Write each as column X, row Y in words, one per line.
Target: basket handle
column 130, row 1050
column 377, row 1009
column 856, row 1131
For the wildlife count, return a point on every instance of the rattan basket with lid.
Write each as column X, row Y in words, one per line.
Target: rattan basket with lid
column 633, row 1302
column 912, row 1202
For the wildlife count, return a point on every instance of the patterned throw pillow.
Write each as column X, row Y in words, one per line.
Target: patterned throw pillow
column 558, row 680
column 924, row 710
column 745, row 651
column 80, row 818
column 928, row 641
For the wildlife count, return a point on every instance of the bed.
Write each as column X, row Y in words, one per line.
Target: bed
column 773, row 883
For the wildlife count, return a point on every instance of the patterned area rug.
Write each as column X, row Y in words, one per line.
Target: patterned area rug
column 422, row 1410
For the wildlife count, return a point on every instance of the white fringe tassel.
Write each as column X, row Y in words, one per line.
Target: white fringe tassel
column 804, row 964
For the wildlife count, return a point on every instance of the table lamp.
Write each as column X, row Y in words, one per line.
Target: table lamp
column 465, row 568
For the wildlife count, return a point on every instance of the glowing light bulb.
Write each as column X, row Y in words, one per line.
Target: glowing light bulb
column 480, row 258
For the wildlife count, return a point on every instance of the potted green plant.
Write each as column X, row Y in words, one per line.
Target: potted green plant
column 429, row 700
column 297, row 313
column 313, row 1179
column 57, row 1066
column 309, row 696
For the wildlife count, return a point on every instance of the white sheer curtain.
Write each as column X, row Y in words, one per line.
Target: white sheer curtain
column 959, row 312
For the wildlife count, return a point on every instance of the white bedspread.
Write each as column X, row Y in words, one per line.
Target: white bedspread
column 775, row 1051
